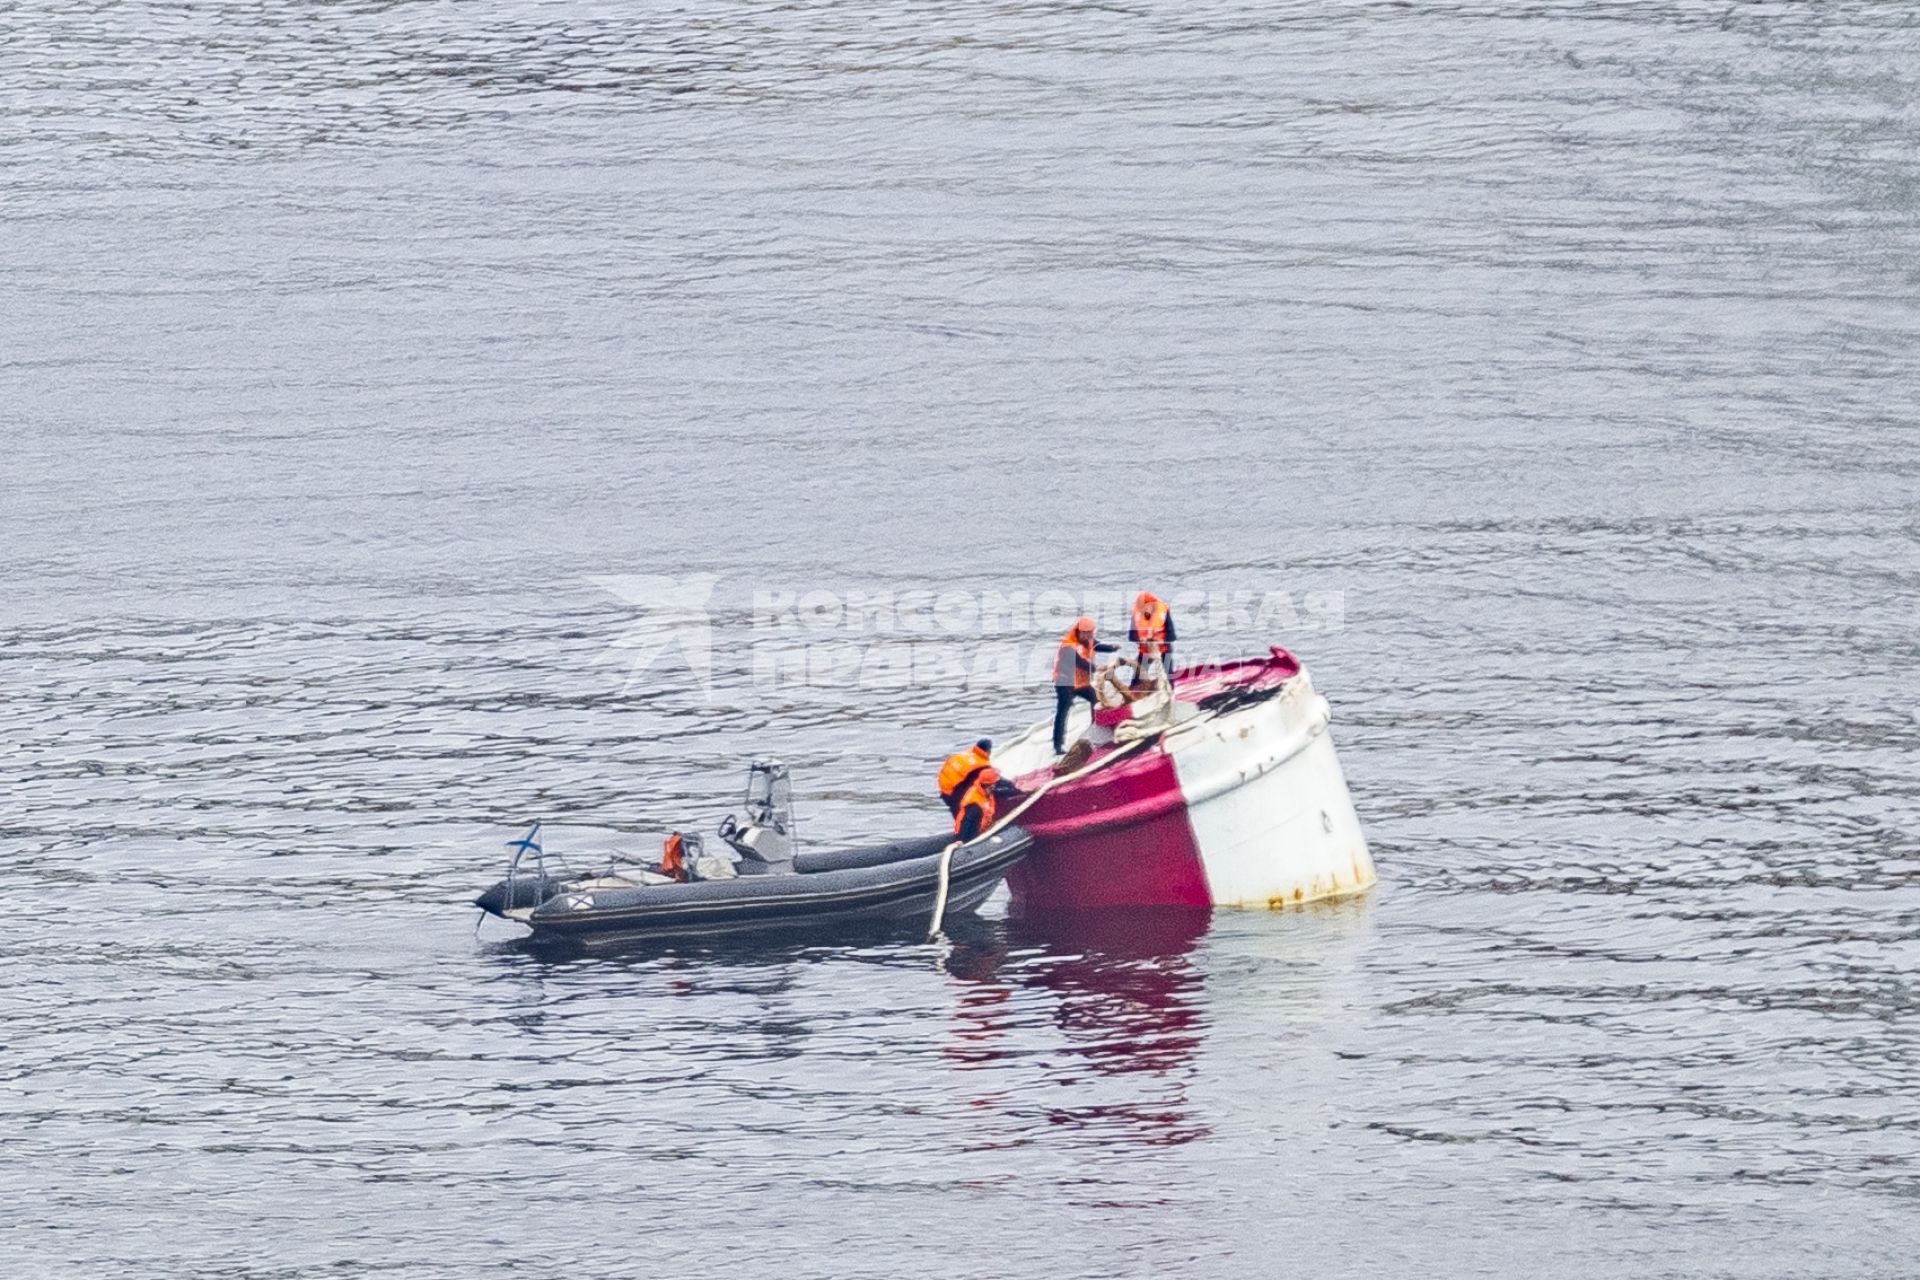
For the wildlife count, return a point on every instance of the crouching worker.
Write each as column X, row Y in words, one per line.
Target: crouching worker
column 1073, row 675
column 974, row 812
column 973, row 788
column 960, row 770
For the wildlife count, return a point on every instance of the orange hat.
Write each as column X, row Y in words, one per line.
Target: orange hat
column 1083, row 623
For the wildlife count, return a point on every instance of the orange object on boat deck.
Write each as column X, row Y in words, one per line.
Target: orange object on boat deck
column 673, row 857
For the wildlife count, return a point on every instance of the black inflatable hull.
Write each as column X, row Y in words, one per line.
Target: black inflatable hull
column 898, row 881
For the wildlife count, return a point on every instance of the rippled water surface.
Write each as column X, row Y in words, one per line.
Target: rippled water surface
column 344, row 346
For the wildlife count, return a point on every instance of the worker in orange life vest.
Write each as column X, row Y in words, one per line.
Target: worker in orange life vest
column 973, row 811
column 1152, row 631
column 960, row 771
column 1073, row 674
column 673, row 857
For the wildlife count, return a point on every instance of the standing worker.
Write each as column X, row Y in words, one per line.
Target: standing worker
column 1073, row 674
column 960, row 772
column 1152, row 630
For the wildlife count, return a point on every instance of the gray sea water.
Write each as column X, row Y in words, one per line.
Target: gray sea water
column 1572, row 350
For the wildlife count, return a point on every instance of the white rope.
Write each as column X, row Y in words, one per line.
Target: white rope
column 946, row 854
column 1131, row 734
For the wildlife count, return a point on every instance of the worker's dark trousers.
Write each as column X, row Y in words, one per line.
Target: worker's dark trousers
column 1063, row 696
column 971, row 822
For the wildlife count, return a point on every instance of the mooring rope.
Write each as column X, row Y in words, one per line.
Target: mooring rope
column 946, row 854
column 1131, row 735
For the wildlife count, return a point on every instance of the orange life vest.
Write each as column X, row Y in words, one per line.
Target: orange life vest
column 1071, row 645
column 978, row 792
column 958, row 773
column 673, row 860
column 1150, row 624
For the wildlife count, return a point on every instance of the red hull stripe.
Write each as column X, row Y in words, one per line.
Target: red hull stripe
column 1139, row 850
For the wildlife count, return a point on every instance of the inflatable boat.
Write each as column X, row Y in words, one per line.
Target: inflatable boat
column 896, row 881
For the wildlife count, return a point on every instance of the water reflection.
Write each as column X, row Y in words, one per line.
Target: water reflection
column 1126, row 1001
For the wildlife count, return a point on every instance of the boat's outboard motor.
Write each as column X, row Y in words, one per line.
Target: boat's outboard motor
column 763, row 831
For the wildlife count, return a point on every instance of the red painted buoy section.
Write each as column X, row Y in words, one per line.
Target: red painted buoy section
column 1236, row 800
